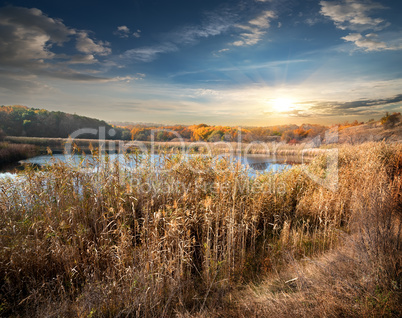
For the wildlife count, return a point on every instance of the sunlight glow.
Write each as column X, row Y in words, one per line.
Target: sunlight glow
column 282, row 104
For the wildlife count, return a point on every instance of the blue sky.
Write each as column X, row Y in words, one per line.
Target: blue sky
column 255, row 62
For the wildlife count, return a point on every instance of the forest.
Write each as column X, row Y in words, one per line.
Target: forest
column 33, row 122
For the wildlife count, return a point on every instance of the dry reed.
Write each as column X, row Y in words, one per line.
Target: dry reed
column 184, row 240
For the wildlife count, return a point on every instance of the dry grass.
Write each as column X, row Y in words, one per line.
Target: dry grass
column 277, row 148
column 204, row 239
column 11, row 153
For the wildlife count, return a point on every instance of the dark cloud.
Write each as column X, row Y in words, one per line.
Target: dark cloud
column 361, row 103
column 27, row 37
column 358, row 107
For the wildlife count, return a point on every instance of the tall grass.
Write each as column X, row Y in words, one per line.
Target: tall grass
column 183, row 238
column 268, row 148
column 11, row 153
column 361, row 275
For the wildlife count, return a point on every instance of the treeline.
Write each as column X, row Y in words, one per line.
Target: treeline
column 33, row 122
column 203, row 132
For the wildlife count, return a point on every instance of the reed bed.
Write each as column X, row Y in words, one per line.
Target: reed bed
column 11, row 153
column 192, row 235
column 259, row 148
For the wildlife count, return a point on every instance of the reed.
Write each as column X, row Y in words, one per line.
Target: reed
column 11, row 153
column 192, row 238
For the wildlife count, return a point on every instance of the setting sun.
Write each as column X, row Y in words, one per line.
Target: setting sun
column 282, row 104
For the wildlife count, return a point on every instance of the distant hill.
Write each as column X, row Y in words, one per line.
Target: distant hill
column 32, row 122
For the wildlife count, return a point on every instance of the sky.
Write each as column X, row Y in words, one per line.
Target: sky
column 234, row 62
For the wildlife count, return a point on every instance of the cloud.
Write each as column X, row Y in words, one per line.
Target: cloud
column 22, row 83
column 85, row 44
column 214, row 24
column 123, row 28
column 298, row 113
column 255, row 29
column 361, row 107
column 28, row 35
column 137, row 34
column 353, row 14
column 262, row 21
column 312, row 21
column 148, row 54
column 82, row 59
column 368, row 42
column 28, row 38
column 123, row 31
column 368, row 102
column 358, row 107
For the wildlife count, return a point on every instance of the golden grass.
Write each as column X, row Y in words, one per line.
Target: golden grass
column 204, row 239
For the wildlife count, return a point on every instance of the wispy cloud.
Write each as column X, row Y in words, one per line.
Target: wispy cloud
column 150, row 53
column 256, row 66
column 255, row 29
column 213, row 24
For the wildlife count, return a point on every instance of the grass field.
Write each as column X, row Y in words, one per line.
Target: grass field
column 204, row 239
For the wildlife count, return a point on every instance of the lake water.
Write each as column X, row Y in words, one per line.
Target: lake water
column 256, row 163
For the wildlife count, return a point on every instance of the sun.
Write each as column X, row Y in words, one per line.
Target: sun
column 282, row 104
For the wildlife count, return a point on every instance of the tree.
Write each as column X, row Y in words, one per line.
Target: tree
column 389, row 121
column 215, row 136
column 2, row 135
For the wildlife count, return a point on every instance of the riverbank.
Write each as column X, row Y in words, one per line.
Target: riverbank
column 10, row 154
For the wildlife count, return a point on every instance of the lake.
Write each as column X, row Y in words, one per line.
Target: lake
column 260, row 163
